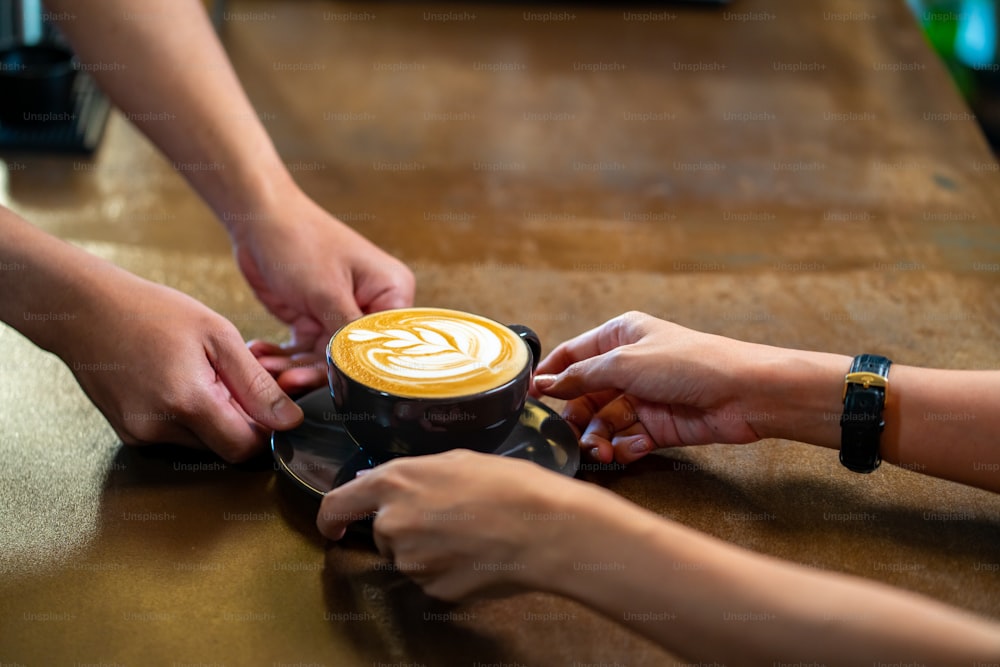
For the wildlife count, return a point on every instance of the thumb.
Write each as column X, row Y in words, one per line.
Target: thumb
column 253, row 387
column 584, row 377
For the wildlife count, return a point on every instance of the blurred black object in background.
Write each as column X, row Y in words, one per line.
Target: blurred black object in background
column 36, row 84
column 47, row 102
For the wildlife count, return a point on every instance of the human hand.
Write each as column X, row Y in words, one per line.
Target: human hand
column 461, row 523
column 315, row 274
column 296, row 372
column 173, row 372
column 637, row 383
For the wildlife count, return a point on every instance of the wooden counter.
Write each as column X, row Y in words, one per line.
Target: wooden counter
column 799, row 173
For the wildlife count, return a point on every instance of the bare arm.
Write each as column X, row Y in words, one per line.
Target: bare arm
column 710, row 600
column 637, row 381
column 159, row 365
column 942, row 423
column 698, row 596
column 161, row 63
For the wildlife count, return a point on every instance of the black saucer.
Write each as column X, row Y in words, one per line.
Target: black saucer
column 319, row 455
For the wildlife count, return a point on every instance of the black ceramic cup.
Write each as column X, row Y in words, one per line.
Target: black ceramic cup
column 36, row 85
column 385, row 425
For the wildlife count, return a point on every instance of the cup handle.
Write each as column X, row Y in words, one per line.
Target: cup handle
column 532, row 340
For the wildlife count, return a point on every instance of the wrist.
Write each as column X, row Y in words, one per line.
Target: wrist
column 256, row 198
column 584, row 552
column 566, row 515
column 798, row 395
column 45, row 298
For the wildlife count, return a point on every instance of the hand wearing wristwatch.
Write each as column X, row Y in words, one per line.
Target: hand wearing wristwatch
column 865, row 388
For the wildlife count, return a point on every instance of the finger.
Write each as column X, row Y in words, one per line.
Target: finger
column 308, row 333
column 576, row 349
column 616, row 416
column 353, row 501
column 599, row 450
column 274, row 364
column 631, row 444
column 263, row 348
column 388, row 299
column 184, row 437
column 299, row 380
column 333, row 309
column 250, row 384
column 384, row 289
column 623, row 330
column 279, row 363
column 579, row 411
column 384, row 547
column 617, row 433
column 598, row 374
column 225, row 428
column 308, row 360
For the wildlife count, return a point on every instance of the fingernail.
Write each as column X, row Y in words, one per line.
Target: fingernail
column 594, row 452
column 639, row 446
column 543, row 382
column 286, row 411
column 362, row 473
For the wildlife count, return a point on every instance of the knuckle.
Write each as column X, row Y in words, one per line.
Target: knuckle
column 176, row 403
column 262, row 384
column 386, row 526
column 393, row 479
column 635, row 321
column 404, row 279
column 456, row 456
column 616, row 357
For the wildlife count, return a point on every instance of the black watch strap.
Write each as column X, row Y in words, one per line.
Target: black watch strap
column 865, row 388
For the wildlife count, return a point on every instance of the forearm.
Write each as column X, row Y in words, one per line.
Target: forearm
column 945, row 423
column 44, row 281
column 711, row 601
column 938, row 422
column 162, row 64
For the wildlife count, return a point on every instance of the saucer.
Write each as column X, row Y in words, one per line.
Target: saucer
column 319, row 455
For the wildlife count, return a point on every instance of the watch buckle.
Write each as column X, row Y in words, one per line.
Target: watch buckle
column 865, row 379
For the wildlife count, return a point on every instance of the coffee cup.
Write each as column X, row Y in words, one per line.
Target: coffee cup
column 415, row 381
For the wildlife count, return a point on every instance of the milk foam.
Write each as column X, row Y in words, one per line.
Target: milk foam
column 429, row 352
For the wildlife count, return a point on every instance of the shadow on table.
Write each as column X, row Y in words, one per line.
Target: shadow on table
column 395, row 619
column 176, row 500
column 171, row 505
column 900, row 527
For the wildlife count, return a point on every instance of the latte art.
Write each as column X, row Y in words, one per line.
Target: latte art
column 429, row 352
column 438, row 350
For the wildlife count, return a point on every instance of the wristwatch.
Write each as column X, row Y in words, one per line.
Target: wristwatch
column 865, row 389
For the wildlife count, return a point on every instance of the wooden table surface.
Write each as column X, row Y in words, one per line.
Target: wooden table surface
column 798, row 173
